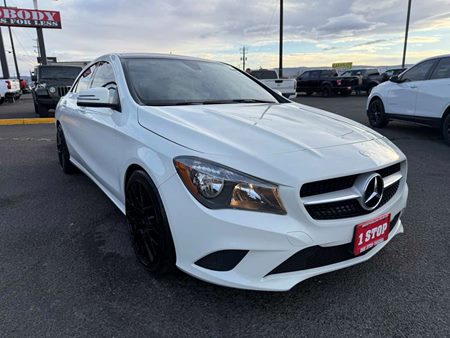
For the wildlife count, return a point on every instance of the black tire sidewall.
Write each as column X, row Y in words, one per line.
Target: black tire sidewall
column 326, row 91
column 384, row 120
column 446, row 129
column 167, row 261
column 66, row 166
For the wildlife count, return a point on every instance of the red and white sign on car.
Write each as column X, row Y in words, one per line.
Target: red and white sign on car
column 29, row 18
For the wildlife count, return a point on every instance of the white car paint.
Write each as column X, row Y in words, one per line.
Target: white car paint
column 428, row 98
column 288, row 144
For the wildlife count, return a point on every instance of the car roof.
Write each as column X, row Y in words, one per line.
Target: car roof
column 158, row 56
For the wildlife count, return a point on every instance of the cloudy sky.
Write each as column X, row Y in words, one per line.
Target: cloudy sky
column 317, row 32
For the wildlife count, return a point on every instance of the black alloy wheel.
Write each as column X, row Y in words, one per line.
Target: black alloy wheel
column 376, row 115
column 148, row 225
column 63, row 153
column 446, row 130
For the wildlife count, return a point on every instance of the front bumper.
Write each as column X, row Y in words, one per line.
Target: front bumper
column 269, row 239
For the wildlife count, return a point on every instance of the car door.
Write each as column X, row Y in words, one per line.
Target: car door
column 314, row 80
column 100, row 132
column 302, row 82
column 433, row 95
column 402, row 96
column 71, row 117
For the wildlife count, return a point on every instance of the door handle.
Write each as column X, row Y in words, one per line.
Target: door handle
column 413, row 86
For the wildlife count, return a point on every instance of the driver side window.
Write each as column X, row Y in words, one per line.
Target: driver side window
column 84, row 80
column 104, row 76
column 419, row 72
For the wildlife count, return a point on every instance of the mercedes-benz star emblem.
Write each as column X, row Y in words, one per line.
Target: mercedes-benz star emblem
column 373, row 192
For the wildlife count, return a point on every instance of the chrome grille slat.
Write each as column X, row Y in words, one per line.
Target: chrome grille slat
column 335, row 202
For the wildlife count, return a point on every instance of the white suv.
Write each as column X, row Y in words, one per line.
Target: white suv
column 420, row 94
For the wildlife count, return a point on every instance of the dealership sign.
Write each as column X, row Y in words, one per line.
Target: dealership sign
column 342, row 65
column 29, row 18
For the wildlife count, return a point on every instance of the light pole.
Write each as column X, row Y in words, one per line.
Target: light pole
column 406, row 33
column 280, row 67
column 13, row 48
column 40, row 36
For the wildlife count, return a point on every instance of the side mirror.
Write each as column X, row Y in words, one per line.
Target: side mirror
column 33, row 77
column 395, row 79
column 99, row 98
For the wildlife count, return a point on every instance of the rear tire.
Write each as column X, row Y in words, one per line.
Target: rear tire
column 446, row 130
column 376, row 115
column 327, row 91
column 2, row 100
column 148, row 225
column 63, row 153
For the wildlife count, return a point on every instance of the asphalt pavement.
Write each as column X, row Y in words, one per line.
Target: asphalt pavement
column 67, row 267
column 22, row 108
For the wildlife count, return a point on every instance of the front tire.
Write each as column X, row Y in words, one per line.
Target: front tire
column 376, row 114
column 446, row 130
column 63, row 153
column 148, row 225
column 41, row 110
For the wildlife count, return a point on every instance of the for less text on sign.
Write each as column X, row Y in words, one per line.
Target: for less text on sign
column 21, row 17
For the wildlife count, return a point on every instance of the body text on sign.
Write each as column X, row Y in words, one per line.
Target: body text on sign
column 29, row 18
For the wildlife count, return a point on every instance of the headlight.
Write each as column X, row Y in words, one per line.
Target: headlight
column 52, row 90
column 219, row 187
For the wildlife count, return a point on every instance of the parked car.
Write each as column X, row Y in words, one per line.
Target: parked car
column 9, row 90
column 51, row 83
column 420, row 94
column 287, row 87
column 325, row 82
column 226, row 179
column 385, row 76
column 368, row 78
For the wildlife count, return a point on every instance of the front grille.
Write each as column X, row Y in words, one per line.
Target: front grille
column 349, row 208
column 345, row 208
column 62, row 90
column 318, row 256
column 335, row 184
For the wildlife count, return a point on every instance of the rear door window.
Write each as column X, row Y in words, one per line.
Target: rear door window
column 442, row 71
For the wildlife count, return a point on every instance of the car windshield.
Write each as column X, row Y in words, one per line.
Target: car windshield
column 163, row 82
column 57, row 72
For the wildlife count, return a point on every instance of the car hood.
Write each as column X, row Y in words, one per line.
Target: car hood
column 252, row 128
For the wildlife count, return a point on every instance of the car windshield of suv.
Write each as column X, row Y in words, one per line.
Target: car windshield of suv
column 163, row 82
column 58, row 72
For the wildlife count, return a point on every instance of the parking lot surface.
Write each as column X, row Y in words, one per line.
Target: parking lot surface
column 67, row 267
column 22, row 108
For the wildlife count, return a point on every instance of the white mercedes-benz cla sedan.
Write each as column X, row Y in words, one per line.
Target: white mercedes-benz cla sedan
column 225, row 179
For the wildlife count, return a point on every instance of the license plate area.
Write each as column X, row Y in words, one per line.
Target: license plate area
column 371, row 233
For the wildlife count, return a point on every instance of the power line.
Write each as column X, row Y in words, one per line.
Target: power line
column 243, row 51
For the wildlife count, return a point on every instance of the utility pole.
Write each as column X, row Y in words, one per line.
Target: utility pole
column 3, row 61
column 406, row 33
column 40, row 36
column 244, row 50
column 13, row 48
column 280, row 67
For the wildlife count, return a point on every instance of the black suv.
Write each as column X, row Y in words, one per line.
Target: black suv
column 50, row 84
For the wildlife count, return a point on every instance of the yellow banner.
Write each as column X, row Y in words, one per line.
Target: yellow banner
column 342, row 65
